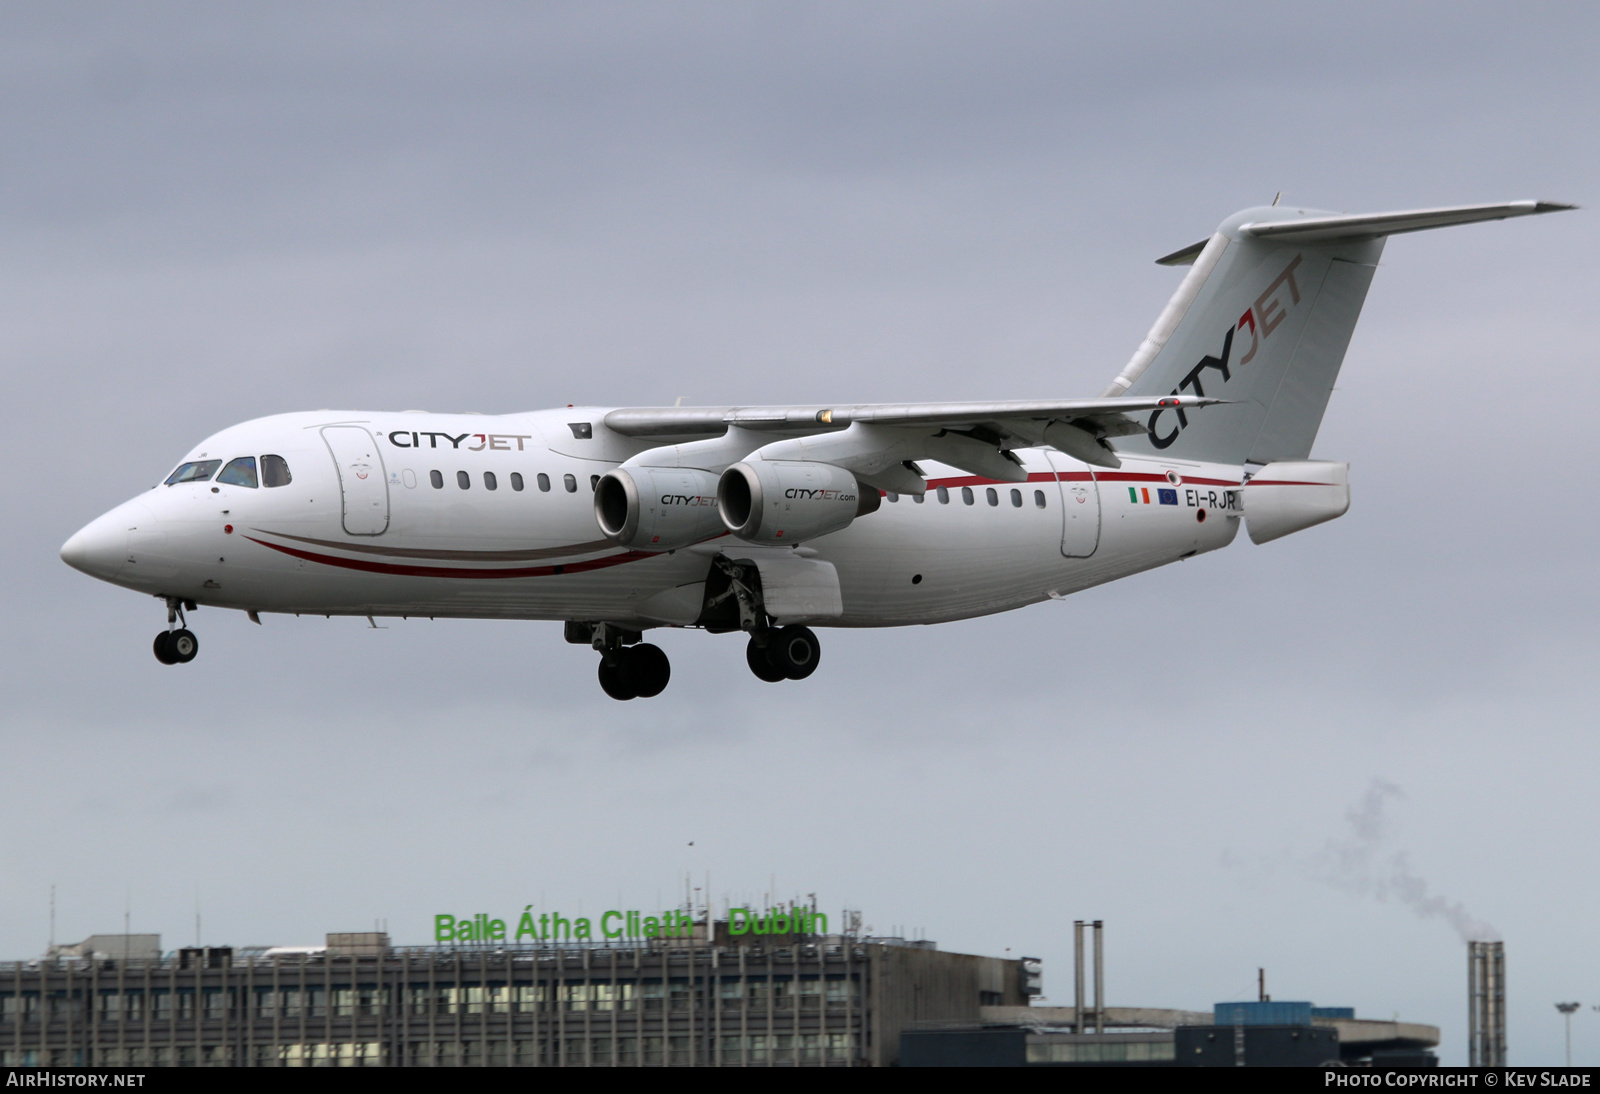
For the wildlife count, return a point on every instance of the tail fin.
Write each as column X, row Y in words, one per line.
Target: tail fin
column 1262, row 320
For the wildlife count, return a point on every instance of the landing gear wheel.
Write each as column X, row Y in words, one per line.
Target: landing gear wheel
column 163, row 651
column 182, row 645
column 756, row 656
column 794, row 652
column 648, row 668
column 615, row 681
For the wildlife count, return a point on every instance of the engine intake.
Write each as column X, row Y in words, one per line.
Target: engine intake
column 657, row 508
column 786, row 501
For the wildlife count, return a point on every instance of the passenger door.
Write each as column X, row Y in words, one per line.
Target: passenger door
column 361, row 479
column 1080, row 503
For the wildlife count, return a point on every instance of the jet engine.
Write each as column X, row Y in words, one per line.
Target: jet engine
column 787, row 501
column 657, row 508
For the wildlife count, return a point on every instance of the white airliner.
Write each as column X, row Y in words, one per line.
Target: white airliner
column 771, row 520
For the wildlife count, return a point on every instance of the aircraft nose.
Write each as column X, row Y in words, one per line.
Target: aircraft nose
column 99, row 548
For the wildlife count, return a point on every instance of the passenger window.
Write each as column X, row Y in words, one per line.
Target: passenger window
column 544, row 482
column 463, row 480
column 1016, row 498
column 198, row 471
column 239, row 472
column 275, row 471
column 944, row 496
column 994, row 498
column 570, row 483
column 966, row 494
column 489, row 481
column 1038, row 498
column 516, row 480
column 437, row 480
column 892, row 496
column 919, row 498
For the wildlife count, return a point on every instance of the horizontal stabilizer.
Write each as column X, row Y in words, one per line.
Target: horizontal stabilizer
column 1370, row 225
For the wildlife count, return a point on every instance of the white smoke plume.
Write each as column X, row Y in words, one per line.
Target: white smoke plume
column 1361, row 863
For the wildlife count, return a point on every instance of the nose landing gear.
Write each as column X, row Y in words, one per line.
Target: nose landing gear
column 177, row 645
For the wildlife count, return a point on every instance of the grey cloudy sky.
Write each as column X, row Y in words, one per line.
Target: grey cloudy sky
column 211, row 215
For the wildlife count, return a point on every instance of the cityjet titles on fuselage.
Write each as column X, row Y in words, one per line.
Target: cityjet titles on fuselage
column 493, row 442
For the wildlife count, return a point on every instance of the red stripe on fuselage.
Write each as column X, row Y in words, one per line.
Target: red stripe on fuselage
column 397, row 570
column 1080, row 476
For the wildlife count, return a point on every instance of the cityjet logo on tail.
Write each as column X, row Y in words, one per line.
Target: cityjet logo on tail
column 1262, row 319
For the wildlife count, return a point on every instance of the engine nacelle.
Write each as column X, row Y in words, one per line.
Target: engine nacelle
column 788, row 501
column 1293, row 495
column 657, row 508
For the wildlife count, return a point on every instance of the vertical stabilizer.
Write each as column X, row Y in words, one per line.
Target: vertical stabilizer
column 1263, row 320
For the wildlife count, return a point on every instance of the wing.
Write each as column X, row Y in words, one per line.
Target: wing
column 881, row 441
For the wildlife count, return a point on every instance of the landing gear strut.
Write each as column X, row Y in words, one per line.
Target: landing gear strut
column 177, row 645
column 787, row 653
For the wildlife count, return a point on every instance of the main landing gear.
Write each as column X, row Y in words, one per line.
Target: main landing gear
column 734, row 597
column 629, row 669
column 635, row 672
column 786, row 653
column 177, row 645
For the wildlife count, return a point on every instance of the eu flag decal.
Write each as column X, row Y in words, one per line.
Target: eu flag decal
column 1168, row 497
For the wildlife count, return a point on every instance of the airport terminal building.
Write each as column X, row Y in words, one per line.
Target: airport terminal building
column 836, row 1001
column 735, row 999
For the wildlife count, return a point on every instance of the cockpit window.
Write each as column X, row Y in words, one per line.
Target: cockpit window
column 239, row 472
column 198, row 471
column 274, row 471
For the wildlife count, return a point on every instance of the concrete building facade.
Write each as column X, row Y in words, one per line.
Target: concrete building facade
column 837, row 1001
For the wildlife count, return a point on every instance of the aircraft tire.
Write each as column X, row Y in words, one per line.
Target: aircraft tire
column 182, row 646
column 647, row 669
column 163, row 652
column 794, row 651
column 615, row 680
column 756, row 657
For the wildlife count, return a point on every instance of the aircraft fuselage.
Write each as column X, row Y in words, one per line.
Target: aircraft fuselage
column 481, row 516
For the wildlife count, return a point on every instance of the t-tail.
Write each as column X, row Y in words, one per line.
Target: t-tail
column 1263, row 320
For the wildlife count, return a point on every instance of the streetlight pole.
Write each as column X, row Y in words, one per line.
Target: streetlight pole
column 1566, row 1010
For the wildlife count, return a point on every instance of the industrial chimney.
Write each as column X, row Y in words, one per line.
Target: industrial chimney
column 1486, row 1003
